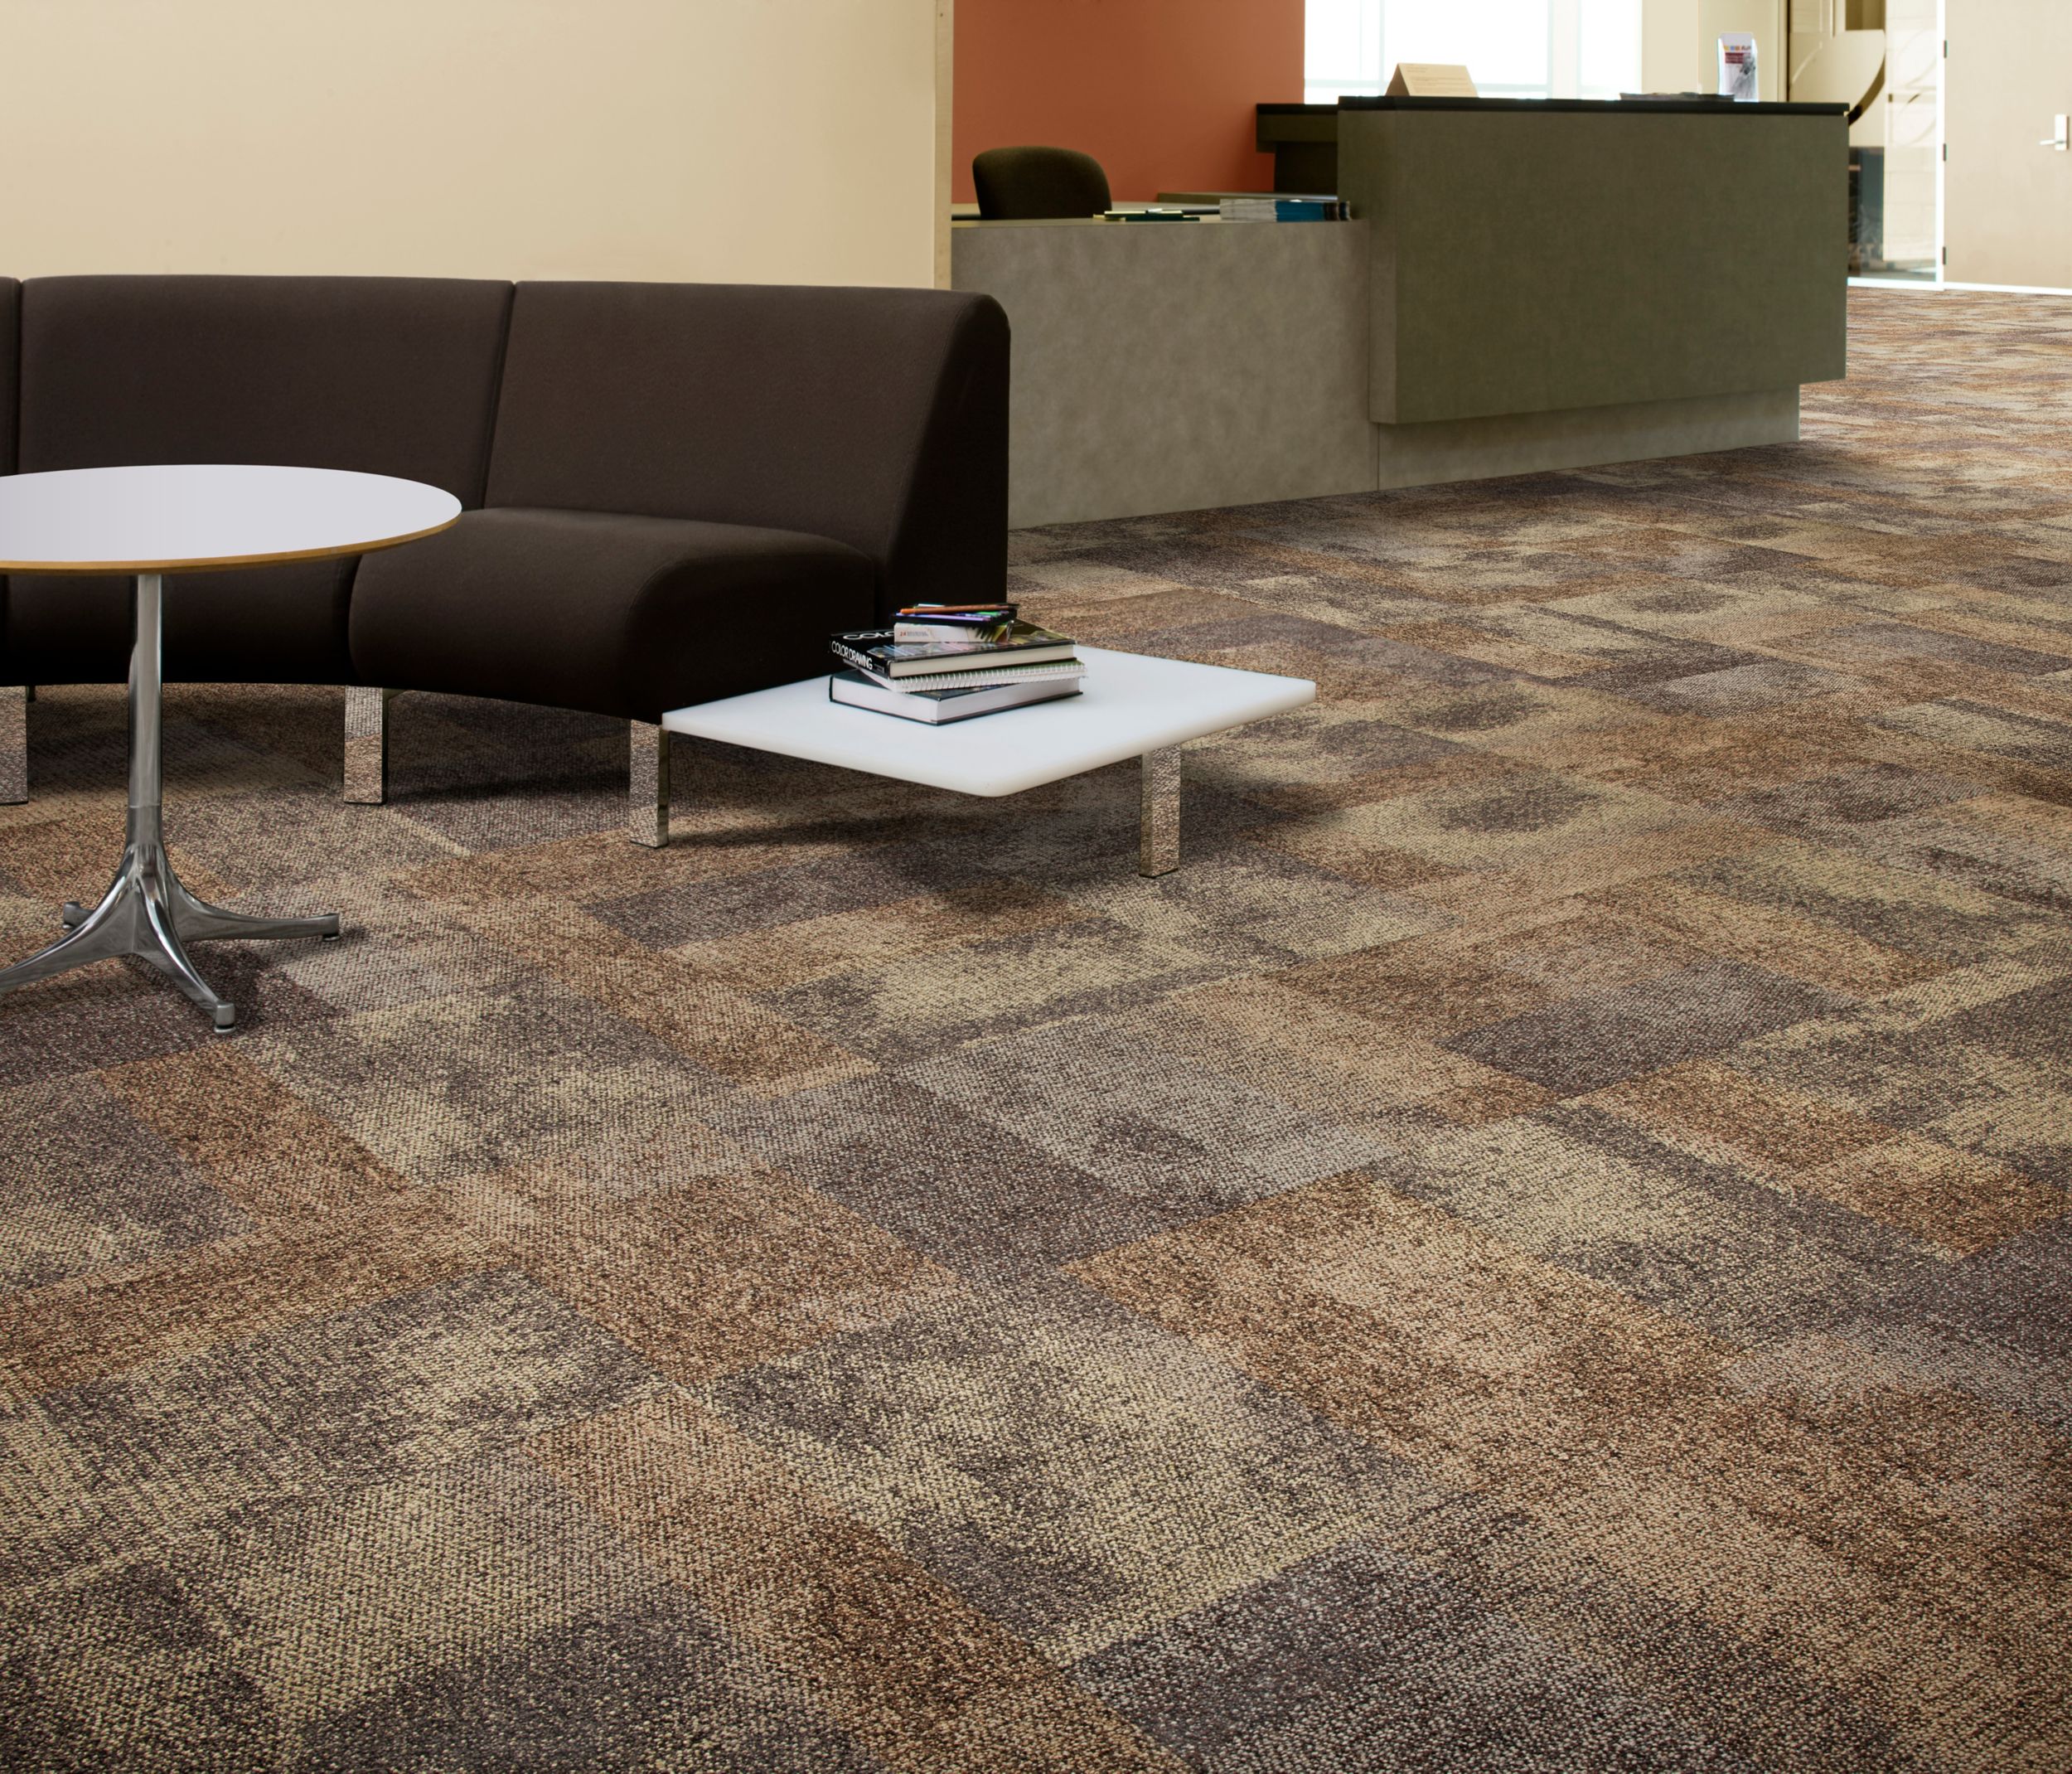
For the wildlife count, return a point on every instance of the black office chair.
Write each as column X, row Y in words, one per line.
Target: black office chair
column 1036, row 184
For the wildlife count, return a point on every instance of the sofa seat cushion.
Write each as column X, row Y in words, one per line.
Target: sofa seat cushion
column 615, row 614
column 282, row 624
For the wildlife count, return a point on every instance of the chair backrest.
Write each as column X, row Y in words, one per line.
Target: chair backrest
column 876, row 417
column 1038, row 184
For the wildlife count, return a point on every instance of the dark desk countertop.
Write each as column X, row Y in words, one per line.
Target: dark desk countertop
column 1705, row 107
column 1699, row 107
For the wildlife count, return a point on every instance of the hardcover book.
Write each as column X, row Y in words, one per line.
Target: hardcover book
column 875, row 650
column 954, row 622
column 969, row 612
column 940, row 707
column 1048, row 670
column 908, row 628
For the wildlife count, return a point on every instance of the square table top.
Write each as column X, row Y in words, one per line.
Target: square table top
column 1129, row 703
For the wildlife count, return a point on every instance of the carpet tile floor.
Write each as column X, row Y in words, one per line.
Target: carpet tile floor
column 1543, row 1246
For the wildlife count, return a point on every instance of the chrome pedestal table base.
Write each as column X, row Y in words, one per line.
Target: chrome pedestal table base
column 146, row 912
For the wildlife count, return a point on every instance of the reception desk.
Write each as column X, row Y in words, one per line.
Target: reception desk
column 1524, row 286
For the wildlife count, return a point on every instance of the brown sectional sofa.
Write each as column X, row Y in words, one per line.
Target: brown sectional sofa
column 673, row 491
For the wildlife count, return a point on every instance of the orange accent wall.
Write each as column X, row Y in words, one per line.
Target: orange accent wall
column 1160, row 92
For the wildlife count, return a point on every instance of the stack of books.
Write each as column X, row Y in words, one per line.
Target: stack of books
column 1284, row 209
column 940, row 663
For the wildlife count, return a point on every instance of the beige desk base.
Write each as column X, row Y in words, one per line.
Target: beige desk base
column 1184, row 366
column 1169, row 366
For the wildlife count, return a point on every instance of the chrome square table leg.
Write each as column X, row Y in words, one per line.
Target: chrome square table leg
column 14, row 742
column 146, row 912
column 1158, row 838
column 366, row 765
column 647, row 784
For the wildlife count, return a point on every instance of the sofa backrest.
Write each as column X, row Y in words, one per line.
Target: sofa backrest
column 877, row 417
column 387, row 375
column 10, row 364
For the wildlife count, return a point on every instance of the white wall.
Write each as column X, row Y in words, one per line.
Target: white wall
column 752, row 140
column 1511, row 48
column 1678, row 39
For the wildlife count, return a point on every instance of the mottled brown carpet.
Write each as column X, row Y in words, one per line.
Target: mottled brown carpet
column 1543, row 1246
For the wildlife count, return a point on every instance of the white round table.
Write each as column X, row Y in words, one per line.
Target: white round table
column 152, row 521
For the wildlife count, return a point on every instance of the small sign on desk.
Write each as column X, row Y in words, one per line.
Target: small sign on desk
column 1431, row 79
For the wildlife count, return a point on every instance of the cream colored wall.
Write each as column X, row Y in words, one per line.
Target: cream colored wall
column 1667, row 31
column 751, row 140
column 1679, row 42
column 945, row 64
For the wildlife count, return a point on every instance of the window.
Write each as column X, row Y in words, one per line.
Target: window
column 1514, row 49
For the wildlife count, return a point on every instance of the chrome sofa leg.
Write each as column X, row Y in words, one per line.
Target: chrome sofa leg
column 14, row 741
column 1159, row 825
column 367, row 744
column 648, row 787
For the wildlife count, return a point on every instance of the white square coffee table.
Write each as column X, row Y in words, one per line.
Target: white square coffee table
column 1130, row 705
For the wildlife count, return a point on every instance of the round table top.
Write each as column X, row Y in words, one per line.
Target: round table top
column 174, row 518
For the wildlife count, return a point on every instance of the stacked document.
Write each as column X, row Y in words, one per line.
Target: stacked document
column 942, row 662
column 1282, row 208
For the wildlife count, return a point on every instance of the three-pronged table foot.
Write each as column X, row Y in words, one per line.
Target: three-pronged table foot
column 175, row 518
column 149, row 915
column 197, row 920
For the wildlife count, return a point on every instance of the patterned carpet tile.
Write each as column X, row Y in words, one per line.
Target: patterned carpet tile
column 1615, row 1428
column 1363, row 1650
column 1544, row 1246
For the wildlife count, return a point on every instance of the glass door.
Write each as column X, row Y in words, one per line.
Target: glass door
column 1882, row 58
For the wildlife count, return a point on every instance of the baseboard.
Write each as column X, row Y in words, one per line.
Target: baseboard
column 1440, row 451
column 1473, row 449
